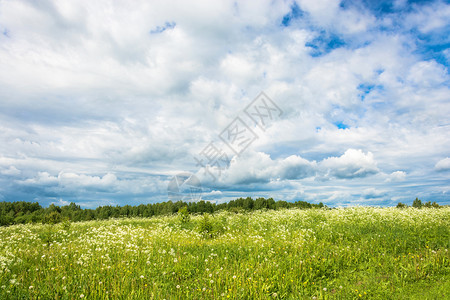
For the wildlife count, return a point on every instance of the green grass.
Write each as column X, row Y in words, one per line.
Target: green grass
column 369, row 253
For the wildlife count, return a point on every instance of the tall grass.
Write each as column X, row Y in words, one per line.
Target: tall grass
column 376, row 253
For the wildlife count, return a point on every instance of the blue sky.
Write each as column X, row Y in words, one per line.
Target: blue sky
column 103, row 103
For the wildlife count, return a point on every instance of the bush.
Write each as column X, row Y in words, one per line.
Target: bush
column 236, row 210
column 66, row 224
column 47, row 235
column 210, row 227
column 183, row 215
column 205, row 226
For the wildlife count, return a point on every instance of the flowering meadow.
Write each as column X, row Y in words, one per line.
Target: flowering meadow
column 351, row 253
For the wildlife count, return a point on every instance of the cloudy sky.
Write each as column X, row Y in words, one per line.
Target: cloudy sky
column 103, row 102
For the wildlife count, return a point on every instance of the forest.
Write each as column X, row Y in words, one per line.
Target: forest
column 22, row 212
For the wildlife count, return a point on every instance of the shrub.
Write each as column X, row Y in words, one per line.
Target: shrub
column 205, row 226
column 183, row 215
column 47, row 235
column 210, row 227
column 66, row 224
column 236, row 210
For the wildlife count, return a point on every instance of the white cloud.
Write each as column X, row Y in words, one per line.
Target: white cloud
column 443, row 164
column 429, row 18
column 61, row 202
column 329, row 14
column 258, row 167
column 427, row 73
column 93, row 92
column 214, row 194
column 396, row 176
column 82, row 180
column 42, row 178
column 10, row 171
column 73, row 180
column 352, row 164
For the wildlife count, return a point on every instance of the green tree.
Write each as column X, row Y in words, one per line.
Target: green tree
column 282, row 204
column 261, row 203
column 427, row 204
column 401, row 205
column 417, row 203
column 52, row 218
column 248, row 203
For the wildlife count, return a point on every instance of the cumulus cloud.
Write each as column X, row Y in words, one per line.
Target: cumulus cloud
column 258, row 167
column 72, row 180
column 61, row 202
column 443, row 164
column 10, row 171
column 429, row 18
column 42, row 178
column 214, row 194
column 352, row 164
column 396, row 176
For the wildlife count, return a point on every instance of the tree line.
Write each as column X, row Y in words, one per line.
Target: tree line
column 417, row 203
column 22, row 212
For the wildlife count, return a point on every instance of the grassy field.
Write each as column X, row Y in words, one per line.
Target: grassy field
column 368, row 253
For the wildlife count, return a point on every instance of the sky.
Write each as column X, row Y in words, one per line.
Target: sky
column 104, row 102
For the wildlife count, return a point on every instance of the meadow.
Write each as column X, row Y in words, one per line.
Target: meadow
column 351, row 253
